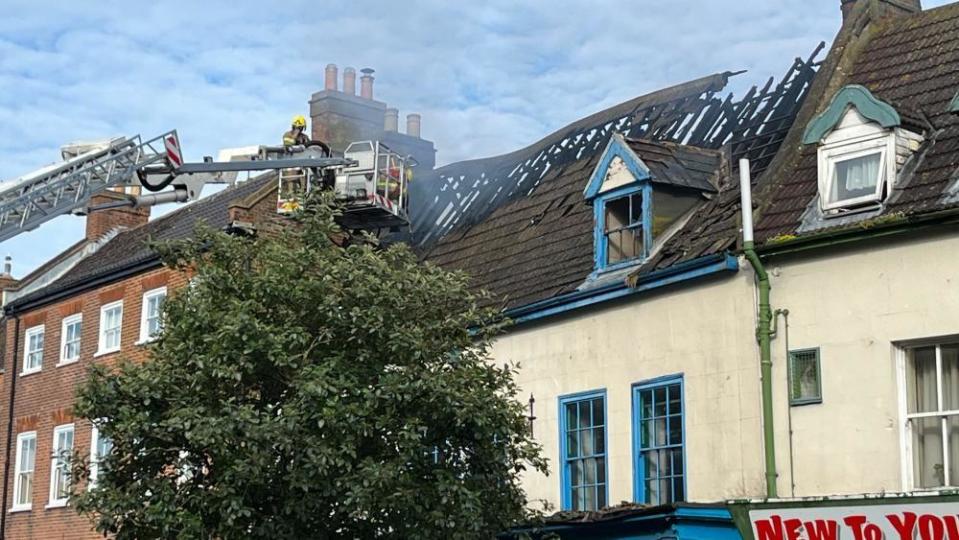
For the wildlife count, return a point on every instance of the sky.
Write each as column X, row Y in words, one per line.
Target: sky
column 488, row 77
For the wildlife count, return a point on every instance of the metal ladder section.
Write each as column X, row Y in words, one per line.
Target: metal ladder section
column 36, row 199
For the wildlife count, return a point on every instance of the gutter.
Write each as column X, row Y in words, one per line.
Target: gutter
column 85, row 285
column 710, row 264
column 6, row 452
column 879, row 227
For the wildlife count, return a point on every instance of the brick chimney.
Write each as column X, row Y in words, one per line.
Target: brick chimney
column 366, row 83
column 7, row 281
column 413, row 125
column 349, row 81
column 101, row 222
column 908, row 6
column 391, row 119
column 330, row 82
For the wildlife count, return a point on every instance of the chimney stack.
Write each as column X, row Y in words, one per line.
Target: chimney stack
column 391, row 121
column 330, row 77
column 349, row 81
column 102, row 222
column 846, row 7
column 366, row 83
column 901, row 6
column 413, row 125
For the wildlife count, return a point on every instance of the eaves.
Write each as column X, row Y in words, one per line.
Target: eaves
column 882, row 226
column 56, row 294
column 577, row 300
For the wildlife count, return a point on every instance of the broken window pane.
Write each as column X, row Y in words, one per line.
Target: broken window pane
column 624, row 228
column 669, row 205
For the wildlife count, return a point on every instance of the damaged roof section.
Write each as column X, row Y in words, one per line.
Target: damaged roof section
column 463, row 194
column 540, row 245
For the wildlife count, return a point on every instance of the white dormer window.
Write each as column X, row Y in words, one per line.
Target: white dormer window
column 860, row 147
column 854, row 172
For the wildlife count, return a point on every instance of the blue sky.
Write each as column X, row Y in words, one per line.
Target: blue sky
column 487, row 77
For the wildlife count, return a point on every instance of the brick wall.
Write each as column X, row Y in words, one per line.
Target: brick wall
column 44, row 399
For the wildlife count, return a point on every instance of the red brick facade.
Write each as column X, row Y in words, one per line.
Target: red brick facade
column 43, row 399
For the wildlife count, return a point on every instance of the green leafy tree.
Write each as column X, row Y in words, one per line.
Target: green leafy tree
column 301, row 389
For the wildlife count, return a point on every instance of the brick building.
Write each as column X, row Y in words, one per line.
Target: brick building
column 94, row 305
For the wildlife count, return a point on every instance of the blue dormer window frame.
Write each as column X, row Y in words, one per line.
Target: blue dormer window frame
column 640, row 185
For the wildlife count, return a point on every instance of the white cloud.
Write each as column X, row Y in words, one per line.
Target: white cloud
column 488, row 77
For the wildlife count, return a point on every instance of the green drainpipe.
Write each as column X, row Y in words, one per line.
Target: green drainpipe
column 763, row 328
column 763, row 335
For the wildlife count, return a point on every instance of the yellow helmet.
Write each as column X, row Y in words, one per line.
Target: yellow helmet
column 299, row 121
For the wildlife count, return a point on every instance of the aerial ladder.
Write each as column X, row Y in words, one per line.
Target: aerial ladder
column 369, row 179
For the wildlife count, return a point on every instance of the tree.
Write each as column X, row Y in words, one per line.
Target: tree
column 300, row 389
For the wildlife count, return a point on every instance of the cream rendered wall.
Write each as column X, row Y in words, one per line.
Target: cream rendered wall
column 704, row 330
column 855, row 304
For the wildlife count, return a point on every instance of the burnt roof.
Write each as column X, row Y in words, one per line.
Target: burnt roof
column 539, row 244
column 911, row 61
column 679, row 165
column 130, row 247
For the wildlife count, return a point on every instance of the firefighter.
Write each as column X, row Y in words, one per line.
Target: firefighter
column 296, row 135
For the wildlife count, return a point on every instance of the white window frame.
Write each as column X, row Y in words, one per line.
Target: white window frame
column 905, row 435
column 101, row 341
column 145, row 336
column 17, row 472
column 32, row 331
column 67, row 322
column 94, row 455
column 55, row 463
column 832, row 153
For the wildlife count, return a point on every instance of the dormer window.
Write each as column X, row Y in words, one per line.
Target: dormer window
column 640, row 191
column 860, row 147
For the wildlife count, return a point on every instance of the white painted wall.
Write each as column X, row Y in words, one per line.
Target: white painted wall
column 854, row 303
column 704, row 331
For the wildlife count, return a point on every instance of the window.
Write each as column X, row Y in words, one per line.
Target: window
column 100, row 446
column 932, row 414
column 25, row 465
column 804, row 375
column 623, row 231
column 60, row 465
column 583, row 449
column 111, row 319
column 70, row 339
column 151, row 310
column 33, row 350
column 658, row 438
column 855, row 174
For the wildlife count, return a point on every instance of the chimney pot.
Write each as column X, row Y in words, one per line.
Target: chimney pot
column 8, row 265
column 413, row 125
column 391, row 120
column 366, row 83
column 349, row 81
column 330, row 83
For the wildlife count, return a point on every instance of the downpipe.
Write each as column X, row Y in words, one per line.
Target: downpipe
column 763, row 329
